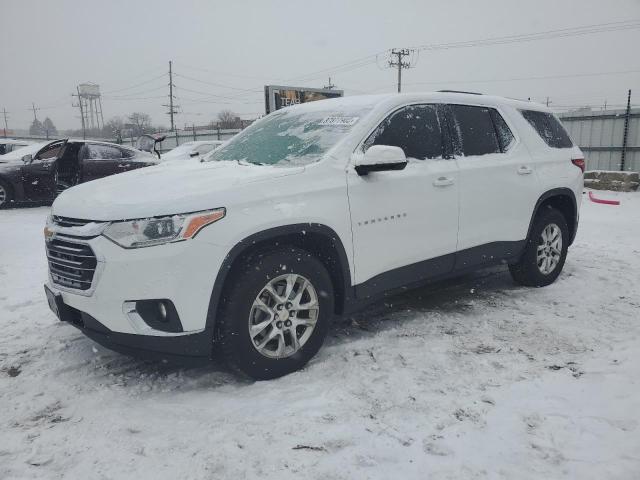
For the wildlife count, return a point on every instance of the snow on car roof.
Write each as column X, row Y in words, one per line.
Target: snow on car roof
column 21, row 152
column 12, row 141
column 390, row 99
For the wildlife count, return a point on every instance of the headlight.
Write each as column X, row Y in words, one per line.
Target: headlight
column 146, row 232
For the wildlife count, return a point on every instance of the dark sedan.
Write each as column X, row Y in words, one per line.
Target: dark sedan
column 37, row 173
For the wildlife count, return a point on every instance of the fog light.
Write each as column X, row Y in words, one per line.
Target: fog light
column 163, row 311
column 159, row 314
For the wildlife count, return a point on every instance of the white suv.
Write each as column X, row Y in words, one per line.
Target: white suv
column 312, row 211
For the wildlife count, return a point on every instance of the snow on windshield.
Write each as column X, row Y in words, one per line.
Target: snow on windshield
column 291, row 136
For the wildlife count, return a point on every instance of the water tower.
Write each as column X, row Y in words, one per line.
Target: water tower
column 90, row 105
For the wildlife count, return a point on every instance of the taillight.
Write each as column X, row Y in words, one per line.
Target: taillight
column 579, row 162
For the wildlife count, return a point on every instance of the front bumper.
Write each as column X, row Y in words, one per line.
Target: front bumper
column 184, row 349
column 183, row 272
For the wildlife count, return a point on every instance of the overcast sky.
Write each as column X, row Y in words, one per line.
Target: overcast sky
column 230, row 49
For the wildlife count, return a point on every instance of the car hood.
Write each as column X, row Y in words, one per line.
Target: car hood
column 164, row 189
column 6, row 163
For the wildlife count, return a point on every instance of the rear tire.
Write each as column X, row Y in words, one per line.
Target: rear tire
column 258, row 319
column 545, row 251
column 6, row 194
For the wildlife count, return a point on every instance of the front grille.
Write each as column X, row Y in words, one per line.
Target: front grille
column 71, row 264
column 69, row 222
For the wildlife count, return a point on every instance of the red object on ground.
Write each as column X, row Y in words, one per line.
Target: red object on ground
column 599, row 200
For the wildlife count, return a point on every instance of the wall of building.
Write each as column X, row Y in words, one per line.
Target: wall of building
column 600, row 135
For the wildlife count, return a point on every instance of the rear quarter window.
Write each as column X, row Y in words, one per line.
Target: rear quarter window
column 549, row 128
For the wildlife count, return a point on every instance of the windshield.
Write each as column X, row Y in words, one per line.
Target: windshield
column 290, row 136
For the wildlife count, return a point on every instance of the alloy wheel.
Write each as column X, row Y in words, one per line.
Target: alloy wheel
column 549, row 249
column 283, row 316
column 3, row 195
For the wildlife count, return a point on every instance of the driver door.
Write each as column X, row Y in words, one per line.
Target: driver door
column 405, row 222
column 39, row 177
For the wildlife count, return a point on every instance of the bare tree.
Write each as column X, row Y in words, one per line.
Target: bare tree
column 140, row 123
column 228, row 119
column 113, row 127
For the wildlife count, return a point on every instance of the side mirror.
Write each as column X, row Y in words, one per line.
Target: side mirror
column 194, row 154
column 27, row 159
column 379, row 158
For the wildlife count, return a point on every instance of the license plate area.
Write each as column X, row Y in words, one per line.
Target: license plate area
column 56, row 304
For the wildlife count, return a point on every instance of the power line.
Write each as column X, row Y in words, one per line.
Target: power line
column 529, row 37
column 133, row 94
column 534, row 36
column 126, row 99
column 136, row 85
column 216, row 72
column 212, row 83
column 511, row 79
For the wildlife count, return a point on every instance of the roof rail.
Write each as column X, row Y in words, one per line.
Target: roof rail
column 459, row 91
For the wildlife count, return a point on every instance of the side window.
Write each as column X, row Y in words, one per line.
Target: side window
column 415, row 129
column 549, row 128
column 103, row 152
column 475, row 129
column 50, row 151
column 505, row 137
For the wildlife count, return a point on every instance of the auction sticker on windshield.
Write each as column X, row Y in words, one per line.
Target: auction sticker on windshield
column 339, row 121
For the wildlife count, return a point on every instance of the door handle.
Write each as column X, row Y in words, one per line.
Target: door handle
column 524, row 170
column 443, row 181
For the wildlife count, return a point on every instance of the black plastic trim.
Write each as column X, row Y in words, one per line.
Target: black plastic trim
column 407, row 275
column 149, row 311
column 182, row 349
column 380, row 167
column 558, row 192
column 489, row 254
column 439, row 268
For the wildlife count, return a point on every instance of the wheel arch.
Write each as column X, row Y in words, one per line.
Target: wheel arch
column 564, row 200
column 318, row 239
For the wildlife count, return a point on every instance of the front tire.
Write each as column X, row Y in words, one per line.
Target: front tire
column 6, row 195
column 275, row 312
column 545, row 251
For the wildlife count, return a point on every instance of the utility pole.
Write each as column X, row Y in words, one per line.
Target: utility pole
column 548, row 102
column 33, row 107
column 6, row 126
column 626, row 131
column 172, row 108
column 84, row 128
column 330, row 86
column 398, row 62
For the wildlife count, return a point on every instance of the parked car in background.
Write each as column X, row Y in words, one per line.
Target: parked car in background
column 38, row 172
column 313, row 211
column 9, row 145
column 191, row 150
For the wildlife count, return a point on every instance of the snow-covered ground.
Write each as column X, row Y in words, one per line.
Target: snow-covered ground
column 476, row 378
